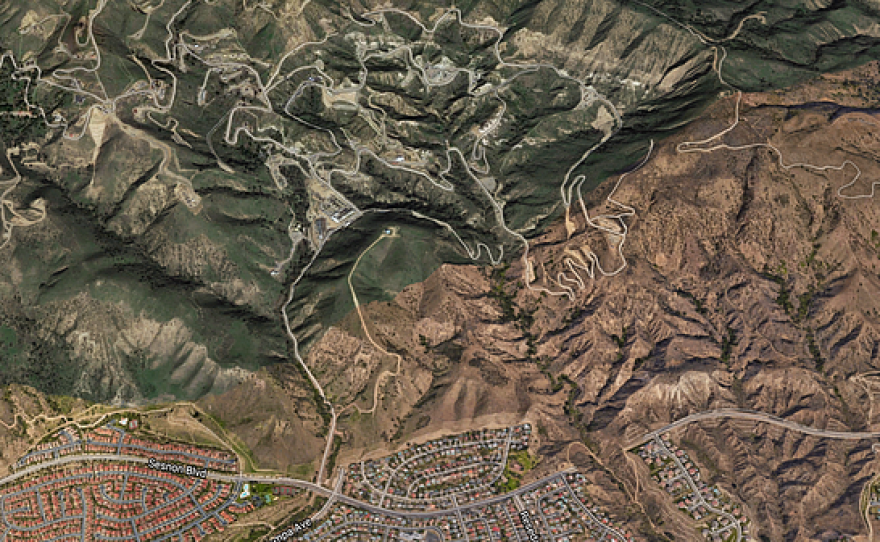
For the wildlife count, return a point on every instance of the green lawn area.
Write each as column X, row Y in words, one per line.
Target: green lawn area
column 524, row 461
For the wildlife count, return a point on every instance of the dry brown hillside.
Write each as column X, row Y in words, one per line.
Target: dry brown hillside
column 749, row 284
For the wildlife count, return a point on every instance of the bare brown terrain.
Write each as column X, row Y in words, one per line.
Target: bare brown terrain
column 749, row 283
column 27, row 415
column 747, row 279
column 275, row 422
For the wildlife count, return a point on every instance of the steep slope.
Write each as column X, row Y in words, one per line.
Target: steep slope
column 169, row 164
column 742, row 282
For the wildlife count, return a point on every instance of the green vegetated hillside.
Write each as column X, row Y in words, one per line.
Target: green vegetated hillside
column 323, row 297
column 169, row 207
column 781, row 43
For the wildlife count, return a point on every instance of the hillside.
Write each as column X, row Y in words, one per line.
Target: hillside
column 176, row 175
column 749, row 284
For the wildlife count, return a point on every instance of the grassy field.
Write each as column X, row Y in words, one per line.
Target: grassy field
column 396, row 262
column 383, row 272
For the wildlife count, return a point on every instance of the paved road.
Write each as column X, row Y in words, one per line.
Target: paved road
column 120, row 445
column 294, row 482
column 393, row 475
column 395, row 513
column 336, row 529
column 70, row 459
column 744, row 414
column 701, row 501
column 166, row 521
column 606, row 528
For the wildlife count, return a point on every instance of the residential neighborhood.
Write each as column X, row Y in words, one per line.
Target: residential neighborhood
column 555, row 509
column 448, row 489
column 874, row 502
column 429, row 476
column 116, row 502
column 160, row 492
column 116, row 483
column 119, row 436
column 719, row 517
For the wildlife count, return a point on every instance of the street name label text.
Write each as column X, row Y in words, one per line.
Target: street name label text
column 174, row 468
column 527, row 525
column 296, row 528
